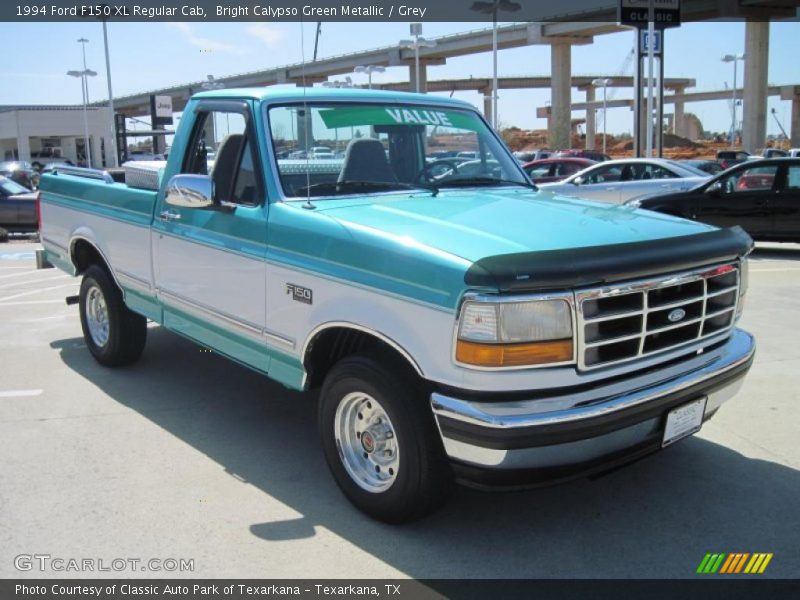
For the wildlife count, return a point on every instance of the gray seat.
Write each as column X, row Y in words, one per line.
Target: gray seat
column 226, row 163
column 365, row 160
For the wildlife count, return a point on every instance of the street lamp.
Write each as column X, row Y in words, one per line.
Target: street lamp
column 491, row 8
column 84, row 86
column 605, row 82
column 734, row 58
column 369, row 70
column 415, row 44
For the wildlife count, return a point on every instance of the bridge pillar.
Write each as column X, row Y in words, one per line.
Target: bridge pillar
column 754, row 118
column 487, row 103
column 423, row 78
column 794, row 131
column 591, row 120
column 560, row 100
column 678, row 118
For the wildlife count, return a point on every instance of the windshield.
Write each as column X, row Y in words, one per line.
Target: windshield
column 340, row 149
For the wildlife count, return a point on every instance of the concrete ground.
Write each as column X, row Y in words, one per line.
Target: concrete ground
column 187, row 455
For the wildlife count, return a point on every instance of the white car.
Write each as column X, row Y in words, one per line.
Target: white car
column 617, row 181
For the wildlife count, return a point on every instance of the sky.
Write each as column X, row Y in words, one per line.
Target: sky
column 146, row 56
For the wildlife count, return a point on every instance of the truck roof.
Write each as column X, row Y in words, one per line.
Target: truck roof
column 277, row 94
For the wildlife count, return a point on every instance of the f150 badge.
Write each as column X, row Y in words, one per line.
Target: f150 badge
column 299, row 293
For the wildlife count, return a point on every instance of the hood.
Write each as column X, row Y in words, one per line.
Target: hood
column 475, row 224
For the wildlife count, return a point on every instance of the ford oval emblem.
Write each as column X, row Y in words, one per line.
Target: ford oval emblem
column 676, row 315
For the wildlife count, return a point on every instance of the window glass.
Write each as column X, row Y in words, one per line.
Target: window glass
column 338, row 149
column 537, row 172
column 793, row 178
column 748, row 180
column 11, row 188
column 604, row 174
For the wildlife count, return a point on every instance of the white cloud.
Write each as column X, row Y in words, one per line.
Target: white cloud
column 205, row 43
column 265, row 33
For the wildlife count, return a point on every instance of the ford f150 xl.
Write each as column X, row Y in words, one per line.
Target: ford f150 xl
column 459, row 324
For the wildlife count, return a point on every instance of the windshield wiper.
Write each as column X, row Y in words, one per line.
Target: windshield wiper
column 469, row 181
column 351, row 185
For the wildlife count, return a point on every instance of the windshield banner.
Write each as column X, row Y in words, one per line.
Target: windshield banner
column 400, row 115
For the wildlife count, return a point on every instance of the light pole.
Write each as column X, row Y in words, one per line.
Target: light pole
column 415, row 44
column 491, row 8
column 84, row 85
column 605, row 82
column 112, row 122
column 734, row 58
column 369, row 70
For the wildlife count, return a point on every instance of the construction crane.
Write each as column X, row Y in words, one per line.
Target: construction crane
column 623, row 71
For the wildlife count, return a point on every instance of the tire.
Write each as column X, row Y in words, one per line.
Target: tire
column 381, row 443
column 114, row 334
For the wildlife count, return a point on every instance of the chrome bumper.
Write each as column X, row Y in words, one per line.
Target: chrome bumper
column 584, row 425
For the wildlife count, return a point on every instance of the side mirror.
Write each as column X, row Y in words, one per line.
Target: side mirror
column 190, row 191
column 715, row 189
column 577, row 181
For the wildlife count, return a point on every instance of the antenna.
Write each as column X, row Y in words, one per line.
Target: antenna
column 305, row 117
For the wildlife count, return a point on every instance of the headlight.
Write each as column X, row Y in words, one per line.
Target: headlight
column 515, row 334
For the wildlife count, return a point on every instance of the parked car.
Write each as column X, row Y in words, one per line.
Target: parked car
column 17, row 207
column 459, row 327
column 773, row 153
column 709, row 167
column 555, row 169
column 617, row 181
column 761, row 197
column 526, row 156
column 728, row 158
column 143, row 155
column 794, row 153
column 590, row 154
column 21, row 172
column 44, row 156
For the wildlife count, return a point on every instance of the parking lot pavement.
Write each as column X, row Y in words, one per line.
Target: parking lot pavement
column 187, row 455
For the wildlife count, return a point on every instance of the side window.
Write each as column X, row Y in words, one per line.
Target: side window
column 793, row 178
column 604, row 175
column 656, row 172
column 565, row 169
column 748, row 180
column 220, row 147
column 538, row 172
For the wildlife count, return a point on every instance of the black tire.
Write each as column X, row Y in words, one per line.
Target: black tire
column 126, row 331
column 424, row 479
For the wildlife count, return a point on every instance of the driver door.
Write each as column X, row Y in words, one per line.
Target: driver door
column 208, row 263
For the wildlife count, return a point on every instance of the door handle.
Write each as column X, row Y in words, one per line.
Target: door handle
column 168, row 215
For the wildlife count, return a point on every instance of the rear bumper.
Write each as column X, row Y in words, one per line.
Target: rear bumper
column 498, row 441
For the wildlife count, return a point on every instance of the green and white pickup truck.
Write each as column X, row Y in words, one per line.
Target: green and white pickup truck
column 460, row 324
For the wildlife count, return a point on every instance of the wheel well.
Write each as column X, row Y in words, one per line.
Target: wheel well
column 332, row 344
column 84, row 255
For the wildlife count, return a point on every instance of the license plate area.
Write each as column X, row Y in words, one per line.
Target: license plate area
column 683, row 421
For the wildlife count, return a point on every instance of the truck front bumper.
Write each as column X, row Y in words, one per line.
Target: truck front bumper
column 535, row 438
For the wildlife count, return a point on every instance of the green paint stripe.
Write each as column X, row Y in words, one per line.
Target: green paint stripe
column 717, row 564
column 703, row 563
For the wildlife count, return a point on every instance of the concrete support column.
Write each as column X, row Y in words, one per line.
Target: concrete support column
column 754, row 119
column 560, row 98
column 487, row 103
column 423, row 77
column 23, row 147
column 678, row 119
column 97, row 150
column 591, row 120
column 794, row 130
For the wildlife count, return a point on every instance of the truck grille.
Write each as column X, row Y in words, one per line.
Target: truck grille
column 633, row 320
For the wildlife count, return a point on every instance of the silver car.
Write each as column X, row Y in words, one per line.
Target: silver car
column 617, row 181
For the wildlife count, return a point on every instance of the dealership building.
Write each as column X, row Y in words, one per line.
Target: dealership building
column 44, row 133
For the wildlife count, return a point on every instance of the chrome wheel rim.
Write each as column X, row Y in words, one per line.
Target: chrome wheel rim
column 367, row 443
column 97, row 316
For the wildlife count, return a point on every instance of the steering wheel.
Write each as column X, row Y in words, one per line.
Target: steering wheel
column 444, row 166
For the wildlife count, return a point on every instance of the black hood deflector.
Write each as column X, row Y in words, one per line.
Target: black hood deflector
column 595, row 265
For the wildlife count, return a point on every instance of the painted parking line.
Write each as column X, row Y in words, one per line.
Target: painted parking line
column 39, row 291
column 30, row 272
column 18, row 256
column 19, row 393
column 18, row 284
column 28, row 302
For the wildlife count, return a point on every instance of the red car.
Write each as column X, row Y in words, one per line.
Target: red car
column 547, row 170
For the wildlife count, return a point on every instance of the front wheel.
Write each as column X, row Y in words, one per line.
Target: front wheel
column 114, row 334
column 381, row 443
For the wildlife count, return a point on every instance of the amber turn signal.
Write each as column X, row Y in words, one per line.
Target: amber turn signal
column 514, row 355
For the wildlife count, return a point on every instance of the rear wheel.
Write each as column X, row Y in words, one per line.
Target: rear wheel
column 381, row 443
column 114, row 334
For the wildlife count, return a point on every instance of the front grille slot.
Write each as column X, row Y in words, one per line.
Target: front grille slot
column 642, row 318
